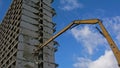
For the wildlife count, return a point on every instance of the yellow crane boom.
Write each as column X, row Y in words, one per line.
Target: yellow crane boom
column 112, row 44
column 89, row 21
column 77, row 22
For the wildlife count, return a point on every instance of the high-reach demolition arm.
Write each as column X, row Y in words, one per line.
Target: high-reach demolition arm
column 89, row 21
column 112, row 44
column 74, row 23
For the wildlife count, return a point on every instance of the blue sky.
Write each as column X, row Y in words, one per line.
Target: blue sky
column 83, row 46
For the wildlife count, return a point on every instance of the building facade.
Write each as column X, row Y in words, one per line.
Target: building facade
column 27, row 24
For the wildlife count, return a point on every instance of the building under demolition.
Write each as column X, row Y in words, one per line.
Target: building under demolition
column 27, row 24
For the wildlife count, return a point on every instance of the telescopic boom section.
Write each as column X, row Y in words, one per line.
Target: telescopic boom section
column 89, row 21
column 77, row 22
column 56, row 35
column 112, row 44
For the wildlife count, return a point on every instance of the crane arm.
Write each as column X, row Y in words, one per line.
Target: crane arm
column 56, row 35
column 112, row 44
column 76, row 22
column 90, row 21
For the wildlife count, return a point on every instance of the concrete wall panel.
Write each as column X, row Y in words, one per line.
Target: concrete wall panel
column 30, row 8
column 30, row 20
column 36, row 1
column 29, row 33
column 30, row 14
column 29, row 26
column 31, row 41
column 48, row 24
column 48, row 12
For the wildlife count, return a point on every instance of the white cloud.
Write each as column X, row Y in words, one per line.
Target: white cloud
column 70, row 4
column 82, row 62
column 105, row 61
column 89, row 38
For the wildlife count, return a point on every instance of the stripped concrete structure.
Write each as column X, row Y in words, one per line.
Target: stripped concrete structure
column 27, row 24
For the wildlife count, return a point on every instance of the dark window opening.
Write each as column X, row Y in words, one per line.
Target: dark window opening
column 40, row 65
column 15, row 54
column 41, row 10
column 40, row 57
column 16, row 38
column 9, row 67
column 41, row 21
column 41, row 0
column 9, row 48
column 41, row 5
column 7, row 62
column 41, row 15
column 14, row 63
column 8, row 55
column 41, row 34
column 41, row 28
column 17, row 31
column 10, row 40
column 16, row 46
column 41, row 40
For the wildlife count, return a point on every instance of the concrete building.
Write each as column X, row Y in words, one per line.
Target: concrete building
column 27, row 24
